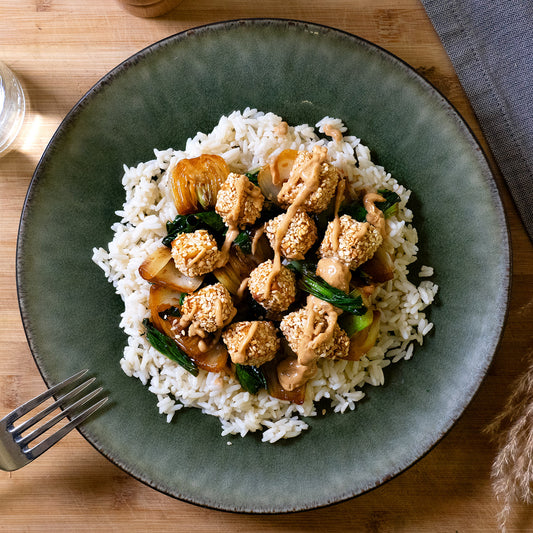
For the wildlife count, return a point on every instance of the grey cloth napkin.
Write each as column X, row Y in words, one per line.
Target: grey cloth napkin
column 490, row 43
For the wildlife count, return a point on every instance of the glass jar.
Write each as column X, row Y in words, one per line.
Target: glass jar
column 12, row 108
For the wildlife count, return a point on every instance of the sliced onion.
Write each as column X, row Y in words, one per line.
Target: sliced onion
column 160, row 299
column 196, row 182
column 276, row 390
column 159, row 268
column 272, row 177
column 379, row 267
column 236, row 270
column 363, row 340
column 213, row 360
column 154, row 263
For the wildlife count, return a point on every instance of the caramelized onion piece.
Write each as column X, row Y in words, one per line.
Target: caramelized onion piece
column 238, row 267
column 275, row 389
column 196, row 182
column 159, row 268
column 271, row 177
column 363, row 340
column 379, row 267
column 214, row 359
column 160, row 299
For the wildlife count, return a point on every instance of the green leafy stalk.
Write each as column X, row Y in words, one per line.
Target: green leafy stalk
column 208, row 220
column 251, row 378
column 244, row 241
column 315, row 285
column 169, row 348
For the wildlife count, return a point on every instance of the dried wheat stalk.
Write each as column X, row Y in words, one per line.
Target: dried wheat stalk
column 512, row 431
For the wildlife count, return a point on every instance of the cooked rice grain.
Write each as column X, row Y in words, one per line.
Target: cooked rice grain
column 247, row 140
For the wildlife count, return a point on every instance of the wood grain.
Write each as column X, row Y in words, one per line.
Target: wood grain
column 59, row 49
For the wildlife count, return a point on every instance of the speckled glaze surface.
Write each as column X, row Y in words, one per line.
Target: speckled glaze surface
column 159, row 98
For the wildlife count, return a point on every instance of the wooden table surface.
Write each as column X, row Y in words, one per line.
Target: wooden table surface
column 59, row 49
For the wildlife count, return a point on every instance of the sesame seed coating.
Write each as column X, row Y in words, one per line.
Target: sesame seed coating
column 357, row 242
column 251, row 343
column 282, row 288
column 300, row 236
column 239, row 201
column 293, row 328
column 195, row 254
column 319, row 199
column 209, row 309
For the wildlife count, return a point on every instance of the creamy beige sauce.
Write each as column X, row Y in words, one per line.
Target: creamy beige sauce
column 294, row 373
column 243, row 346
column 281, row 129
column 374, row 215
column 339, row 197
column 242, row 288
column 231, row 235
column 333, row 132
column 291, row 372
column 204, row 346
column 335, row 272
column 257, row 235
column 310, row 176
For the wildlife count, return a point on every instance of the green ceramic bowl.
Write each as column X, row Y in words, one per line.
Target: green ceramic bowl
column 160, row 97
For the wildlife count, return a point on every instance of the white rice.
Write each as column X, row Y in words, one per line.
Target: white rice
column 248, row 140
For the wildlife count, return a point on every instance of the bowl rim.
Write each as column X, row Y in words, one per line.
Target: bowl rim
column 228, row 25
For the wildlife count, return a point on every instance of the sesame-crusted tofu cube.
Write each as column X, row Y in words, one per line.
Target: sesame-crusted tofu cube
column 207, row 310
column 251, row 343
column 357, row 242
column 299, row 237
column 341, row 344
column 322, row 194
column 239, row 201
column 293, row 327
column 195, row 254
column 276, row 296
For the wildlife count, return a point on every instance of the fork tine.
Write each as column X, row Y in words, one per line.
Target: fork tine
column 67, row 428
column 53, row 421
column 32, row 404
column 41, row 414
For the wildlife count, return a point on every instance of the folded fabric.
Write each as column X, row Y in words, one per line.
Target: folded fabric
column 491, row 47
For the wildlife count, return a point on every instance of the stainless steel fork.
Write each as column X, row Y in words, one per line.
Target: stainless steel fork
column 15, row 450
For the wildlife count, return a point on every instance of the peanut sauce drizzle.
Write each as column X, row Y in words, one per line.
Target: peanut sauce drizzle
column 242, row 288
column 336, row 220
column 295, row 372
column 310, row 175
column 333, row 132
column 281, row 129
column 243, row 346
column 374, row 215
column 243, row 185
column 257, row 235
